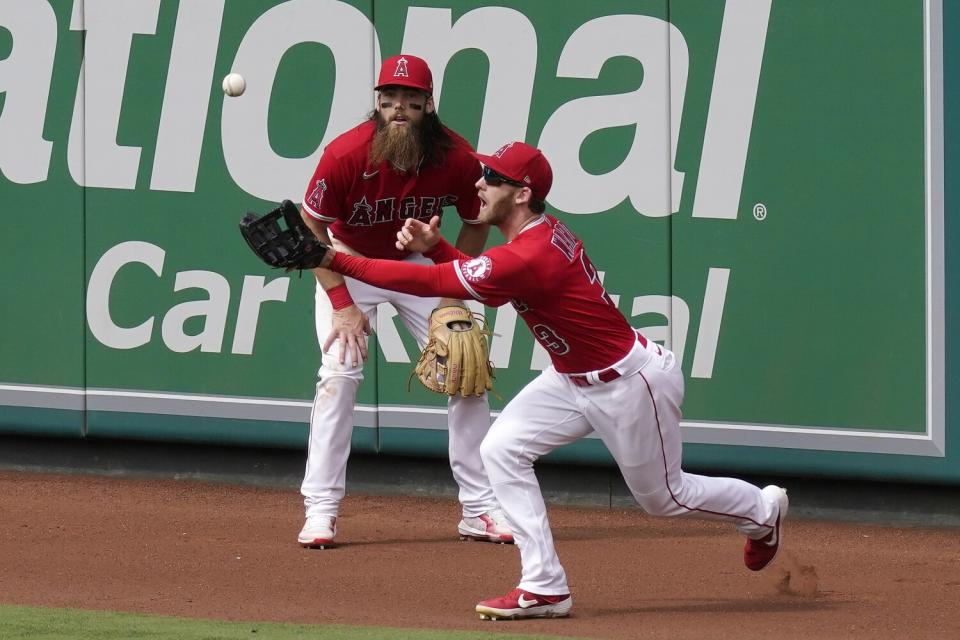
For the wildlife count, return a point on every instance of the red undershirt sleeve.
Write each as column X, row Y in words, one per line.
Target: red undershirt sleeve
column 416, row 279
column 443, row 251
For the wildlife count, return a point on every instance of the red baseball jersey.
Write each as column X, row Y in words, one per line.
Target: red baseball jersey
column 366, row 205
column 543, row 272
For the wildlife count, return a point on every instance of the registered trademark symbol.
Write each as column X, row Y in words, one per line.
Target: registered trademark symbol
column 759, row 211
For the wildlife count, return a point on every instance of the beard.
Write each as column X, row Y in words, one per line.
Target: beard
column 398, row 145
column 497, row 211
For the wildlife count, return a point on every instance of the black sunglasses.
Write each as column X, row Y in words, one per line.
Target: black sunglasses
column 494, row 179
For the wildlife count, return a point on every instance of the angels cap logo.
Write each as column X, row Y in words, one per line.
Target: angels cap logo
column 502, row 150
column 477, row 269
column 405, row 70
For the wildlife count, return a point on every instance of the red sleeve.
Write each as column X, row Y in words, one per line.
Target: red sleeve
column 443, row 251
column 325, row 193
column 496, row 276
column 396, row 275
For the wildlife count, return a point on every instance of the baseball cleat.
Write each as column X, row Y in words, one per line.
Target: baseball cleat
column 318, row 532
column 491, row 526
column 522, row 604
column 757, row 554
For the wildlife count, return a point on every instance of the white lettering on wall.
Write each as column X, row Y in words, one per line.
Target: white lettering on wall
column 673, row 334
column 25, row 77
column 501, row 342
column 93, row 155
column 254, row 293
column 251, row 161
column 645, row 180
column 709, row 334
column 646, row 175
column 212, row 310
column 102, row 326
column 730, row 118
column 388, row 337
column 187, row 95
column 511, row 50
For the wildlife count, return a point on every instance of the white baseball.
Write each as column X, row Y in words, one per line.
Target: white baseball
column 234, row 85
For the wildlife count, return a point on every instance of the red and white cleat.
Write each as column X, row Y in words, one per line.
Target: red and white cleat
column 523, row 604
column 757, row 554
column 491, row 526
column 318, row 532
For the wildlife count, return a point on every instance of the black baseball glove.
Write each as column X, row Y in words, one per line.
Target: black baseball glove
column 292, row 248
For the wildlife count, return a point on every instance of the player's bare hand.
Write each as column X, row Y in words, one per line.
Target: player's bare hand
column 328, row 257
column 351, row 327
column 417, row 236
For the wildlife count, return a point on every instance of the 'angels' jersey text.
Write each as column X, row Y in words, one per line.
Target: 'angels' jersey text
column 366, row 205
column 387, row 210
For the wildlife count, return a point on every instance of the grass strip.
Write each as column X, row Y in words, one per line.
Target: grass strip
column 39, row 623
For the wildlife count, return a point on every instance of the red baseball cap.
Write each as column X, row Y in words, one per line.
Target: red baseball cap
column 405, row 70
column 522, row 163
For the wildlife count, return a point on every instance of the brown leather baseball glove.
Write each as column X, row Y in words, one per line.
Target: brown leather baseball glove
column 456, row 359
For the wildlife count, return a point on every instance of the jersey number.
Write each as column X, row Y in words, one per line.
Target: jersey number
column 594, row 278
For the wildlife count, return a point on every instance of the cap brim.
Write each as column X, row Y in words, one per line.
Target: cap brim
column 494, row 163
column 401, row 83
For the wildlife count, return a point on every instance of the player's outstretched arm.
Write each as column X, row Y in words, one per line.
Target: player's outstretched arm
column 439, row 280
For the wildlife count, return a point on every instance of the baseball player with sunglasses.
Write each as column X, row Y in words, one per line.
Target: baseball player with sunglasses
column 401, row 164
column 605, row 377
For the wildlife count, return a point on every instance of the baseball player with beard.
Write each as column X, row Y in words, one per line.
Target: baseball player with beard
column 400, row 164
column 605, row 377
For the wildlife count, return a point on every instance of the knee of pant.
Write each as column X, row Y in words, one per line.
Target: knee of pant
column 331, row 368
column 491, row 453
column 327, row 385
column 498, row 450
column 660, row 503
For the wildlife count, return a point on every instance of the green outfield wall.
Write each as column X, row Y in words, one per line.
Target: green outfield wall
column 768, row 187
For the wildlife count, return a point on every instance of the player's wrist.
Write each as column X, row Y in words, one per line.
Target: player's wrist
column 340, row 297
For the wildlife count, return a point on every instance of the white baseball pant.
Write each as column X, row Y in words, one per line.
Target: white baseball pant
column 637, row 416
column 332, row 420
